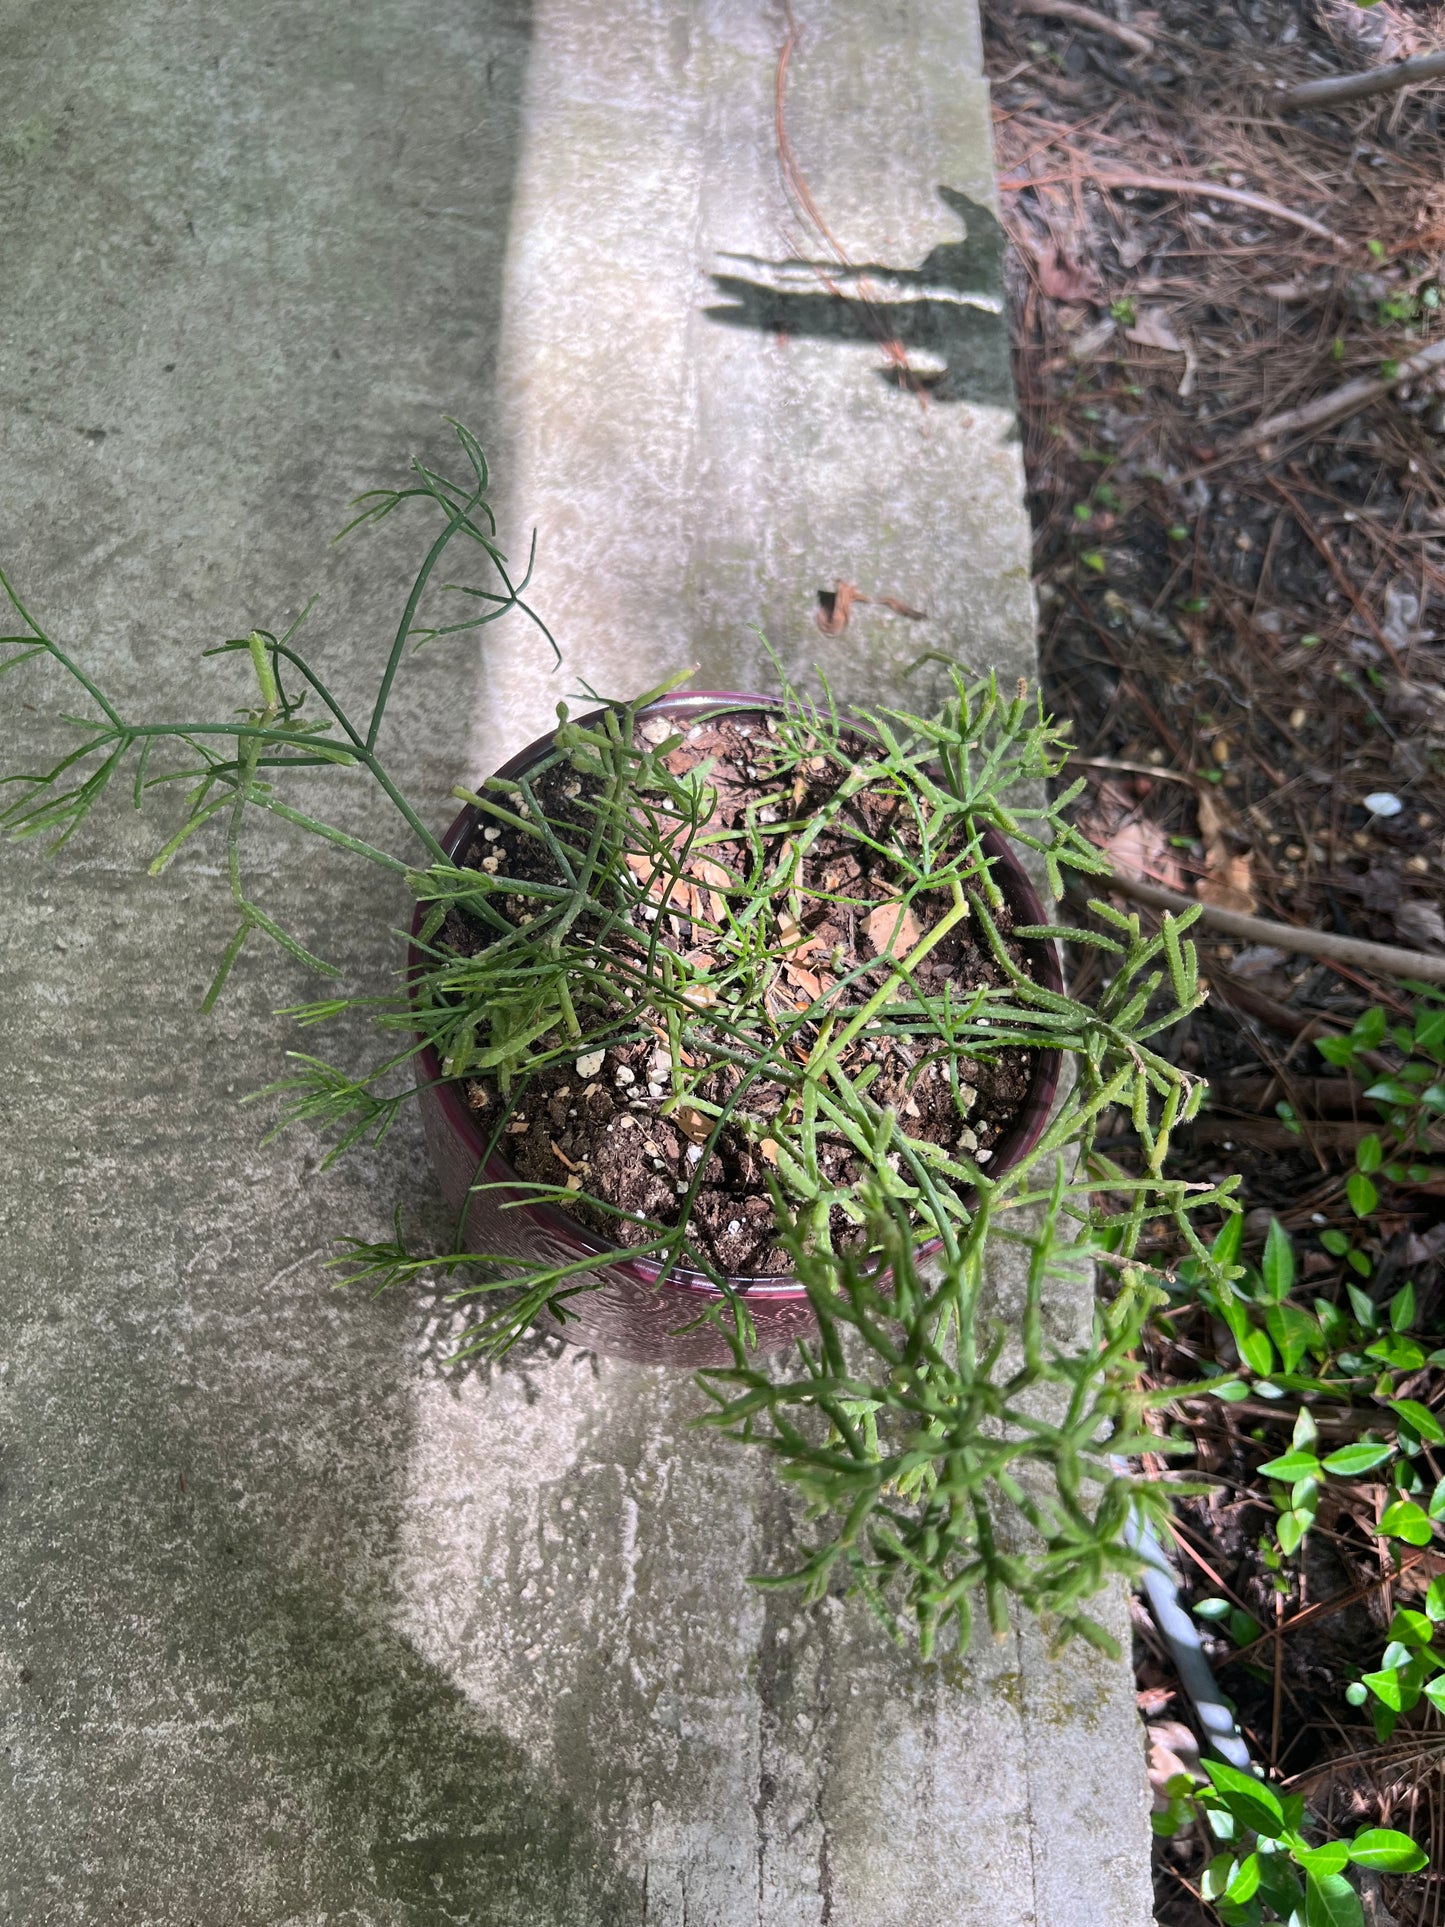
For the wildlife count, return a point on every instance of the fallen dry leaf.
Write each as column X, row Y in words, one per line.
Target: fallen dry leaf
column 1062, row 279
column 1420, row 924
column 712, row 874
column 835, row 607
column 797, row 941
column 1090, row 343
column 1228, row 881
column 1153, row 329
column 1133, row 841
column 892, row 928
column 803, row 980
column 768, row 1150
column 693, row 1125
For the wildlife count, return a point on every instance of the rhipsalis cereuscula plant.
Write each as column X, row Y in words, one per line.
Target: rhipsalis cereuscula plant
column 775, row 952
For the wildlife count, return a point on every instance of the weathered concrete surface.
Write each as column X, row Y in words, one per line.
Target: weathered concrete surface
column 299, row 1627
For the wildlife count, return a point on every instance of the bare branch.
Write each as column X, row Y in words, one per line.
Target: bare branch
column 1078, row 16
column 1380, row 80
column 1340, row 401
column 1383, row 957
column 1167, row 184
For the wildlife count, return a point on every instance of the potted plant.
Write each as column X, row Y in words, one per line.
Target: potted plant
column 735, row 1022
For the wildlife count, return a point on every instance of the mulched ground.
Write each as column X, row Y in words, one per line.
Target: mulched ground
column 1251, row 643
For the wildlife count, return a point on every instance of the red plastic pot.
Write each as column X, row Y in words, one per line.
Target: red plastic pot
column 629, row 1314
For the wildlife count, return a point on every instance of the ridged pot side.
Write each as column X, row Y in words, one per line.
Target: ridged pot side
column 629, row 1314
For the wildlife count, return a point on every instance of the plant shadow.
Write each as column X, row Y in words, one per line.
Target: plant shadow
column 949, row 308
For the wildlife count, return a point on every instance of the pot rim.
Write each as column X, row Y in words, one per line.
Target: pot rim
column 494, row 1169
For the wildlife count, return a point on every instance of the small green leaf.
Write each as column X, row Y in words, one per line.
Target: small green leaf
column 1293, row 1331
column 1369, row 1153
column 1386, row 1687
column 1387, row 1851
column 1402, row 1309
column 1401, row 1354
column 1229, row 1389
column 1437, row 1504
column 1411, row 1628
column 1351, row 1460
column 1405, row 1520
column 1215, row 1878
column 1305, row 1430
column 1361, row 1193
column 1435, row 1693
column 1278, row 1887
column 1330, row 1901
column 1435, row 1596
column 1244, row 1628
column 1364, row 1308
column 1250, row 1801
column 1290, row 1528
column 1277, row 1265
column 1211, row 1609
column 1291, row 1466
column 1333, row 1857
column 1244, row 1883
column 1221, row 1823
column 1420, row 1418
column 1257, row 1352
column 1228, row 1239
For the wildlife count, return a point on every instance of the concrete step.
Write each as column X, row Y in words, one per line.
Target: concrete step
column 302, row 1626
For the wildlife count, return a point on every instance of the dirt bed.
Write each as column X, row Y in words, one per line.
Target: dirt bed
column 1246, row 628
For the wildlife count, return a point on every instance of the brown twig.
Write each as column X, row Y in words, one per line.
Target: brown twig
column 1381, row 80
column 1133, row 769
column 1130, row 37
column 1341, row 401
column 1383, row 957
column 1166, row 184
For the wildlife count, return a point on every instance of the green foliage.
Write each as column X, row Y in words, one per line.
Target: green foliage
column 936, row 1461
column 1266, row 1868
column 1329, row 1356
column 948, row 1458
column 238, row 767
column 1409, row 1099
column 1411, row 1666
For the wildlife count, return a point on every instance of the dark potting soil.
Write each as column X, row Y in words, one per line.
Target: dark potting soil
column 604, row 1125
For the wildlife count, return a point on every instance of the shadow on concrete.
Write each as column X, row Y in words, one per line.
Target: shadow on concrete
column 949, row 308
column 390, row 1764
column 207, row 1464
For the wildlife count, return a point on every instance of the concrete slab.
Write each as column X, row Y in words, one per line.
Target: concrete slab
column 300, row 1627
